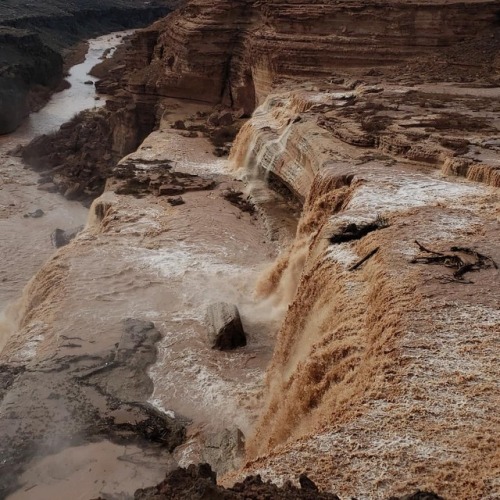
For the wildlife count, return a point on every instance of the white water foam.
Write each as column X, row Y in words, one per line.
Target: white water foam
column 394, row 194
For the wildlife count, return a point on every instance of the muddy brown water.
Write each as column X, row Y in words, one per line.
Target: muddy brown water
column 25, row 242
column 153, row 262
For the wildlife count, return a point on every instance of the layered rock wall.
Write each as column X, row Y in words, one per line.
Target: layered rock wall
column 25, row 63
column 193, row 58
column 61, row 24
column 235, row 51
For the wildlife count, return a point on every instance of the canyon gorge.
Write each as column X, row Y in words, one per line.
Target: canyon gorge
column 332, row 168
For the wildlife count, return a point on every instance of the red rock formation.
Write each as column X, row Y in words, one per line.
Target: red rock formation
column 231, row 51
column 196, row 54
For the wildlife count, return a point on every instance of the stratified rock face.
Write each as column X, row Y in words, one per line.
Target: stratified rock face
column 234, row 52
column 319, row 37
column 196, row 53
column 296, row 134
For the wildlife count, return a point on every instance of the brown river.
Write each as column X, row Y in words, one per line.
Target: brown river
column 24, row 241
column 153, row 262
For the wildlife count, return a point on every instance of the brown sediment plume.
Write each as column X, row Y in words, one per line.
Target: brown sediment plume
column 45, row 288
column 294, row 370
column 100, row 213
column 243, row 147
column 337, row 359
column 477, row 172
column 330, row 349
column 280, row 281
column 327, row 196
column 28, row 318
column 9, row 320
column 456, row 166
column 344, row 361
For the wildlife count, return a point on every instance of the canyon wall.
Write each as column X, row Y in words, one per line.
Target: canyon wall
column 26, row 65
column 32, row 38
column 234, row 52
column 381, row 119
column 61, row 24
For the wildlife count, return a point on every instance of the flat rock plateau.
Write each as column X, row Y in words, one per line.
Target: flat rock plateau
column 331, row 169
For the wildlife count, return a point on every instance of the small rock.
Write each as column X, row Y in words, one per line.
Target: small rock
column 89, row 82
column 169, row 189
column 176, row 201
column 72, row 191
column 419, row 495
column 213, row 120
column 36, row 214
column 238, row 113
column 224, row 449
column 49, row 187
column 374, row 72
column 224, row 327
column 222, row 151
column 306, row 483
column 225, row 118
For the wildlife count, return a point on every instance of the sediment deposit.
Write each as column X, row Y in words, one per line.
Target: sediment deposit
column 354, row 225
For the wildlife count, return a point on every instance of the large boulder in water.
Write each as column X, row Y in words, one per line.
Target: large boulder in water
column 61, row 237
column 224, row 327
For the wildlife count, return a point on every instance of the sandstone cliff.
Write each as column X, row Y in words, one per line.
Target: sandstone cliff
column 231, row 55
column 26, row 64
column 235, row 52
